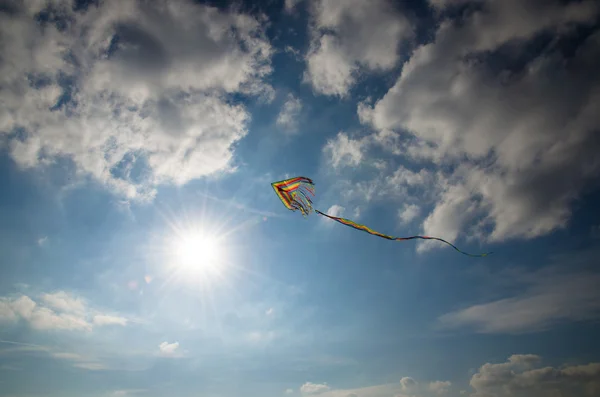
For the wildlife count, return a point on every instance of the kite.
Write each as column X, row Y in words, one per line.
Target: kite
column 295, row 194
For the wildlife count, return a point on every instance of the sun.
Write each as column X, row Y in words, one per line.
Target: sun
column 198, row 254
column 197, row 251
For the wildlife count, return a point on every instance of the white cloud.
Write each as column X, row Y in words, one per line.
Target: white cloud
column 400, row 186
column 53, row 311
column 407, row 387
column 42, row 241
column 269, row 311
column 314, row 388
column 75, row 359
column 349, row 36
column 520, row 143
column 344, row 151
column 102, row 319
column 259, row 337
column 440, row 387
column 65, row 302
column 147, row 104
column 451, row 214
column 548, row 297
column 79, row 361
column 290, row 111
column 127, row 392
column 289, row 391
column 521, row 377
column 39, row 317
column 294, row 53
column 167, row 348
column 43, row 318
column 408, row 213
column 336, row 210
column 408, row 384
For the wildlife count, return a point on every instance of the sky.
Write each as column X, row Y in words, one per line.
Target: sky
column 144, row 252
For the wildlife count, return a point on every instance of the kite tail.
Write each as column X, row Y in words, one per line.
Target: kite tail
column 367, row 229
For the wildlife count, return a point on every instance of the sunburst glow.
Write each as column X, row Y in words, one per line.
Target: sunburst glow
column 198, row 251
column 198, row 255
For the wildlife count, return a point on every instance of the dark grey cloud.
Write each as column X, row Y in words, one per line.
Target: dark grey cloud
column 518, row 140
column 129, row 85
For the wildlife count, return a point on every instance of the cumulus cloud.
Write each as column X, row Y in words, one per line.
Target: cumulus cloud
column 39, row 317
column 408, row 383
column 521, row 376
column 439, row 387
column 344, row 151
column 314, row 388
column 349, row 36
column 168, row 349
column 407, row 387
column 134, row 94
column 65, row 302
column 408, row 213
column 516, row 137
column 290, row 111
column 54, row 311
column 548, row 297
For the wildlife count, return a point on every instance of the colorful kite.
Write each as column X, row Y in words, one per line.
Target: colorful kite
column 295, row 194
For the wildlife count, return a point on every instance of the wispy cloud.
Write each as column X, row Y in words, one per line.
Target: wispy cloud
column 314, row 388
column 288, row 117
column 127, row 392
column 406, row 387
column 103, row 319
column 549, row 297
column 80, row 361
column 75, row 359
column 290, row 5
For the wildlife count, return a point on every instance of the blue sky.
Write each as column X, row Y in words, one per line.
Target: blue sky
column 132, row 133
